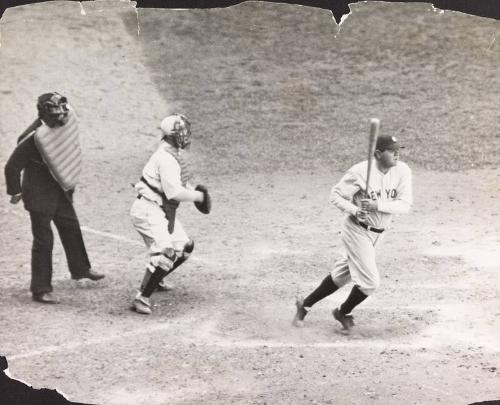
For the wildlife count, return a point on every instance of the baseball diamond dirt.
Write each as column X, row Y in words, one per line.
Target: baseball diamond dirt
column 280, row 100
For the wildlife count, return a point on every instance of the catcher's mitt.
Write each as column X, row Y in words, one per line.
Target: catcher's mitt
column 206, row 205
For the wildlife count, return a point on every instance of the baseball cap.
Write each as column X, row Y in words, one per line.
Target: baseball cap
column 387, row 142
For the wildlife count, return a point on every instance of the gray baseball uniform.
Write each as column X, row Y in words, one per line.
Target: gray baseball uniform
column 368, row 212
column 393, row 192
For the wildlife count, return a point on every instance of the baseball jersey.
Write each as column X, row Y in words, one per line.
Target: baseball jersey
column 392, row 190
column 163, row 172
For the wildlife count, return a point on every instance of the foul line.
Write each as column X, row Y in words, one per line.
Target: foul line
column 110, row 235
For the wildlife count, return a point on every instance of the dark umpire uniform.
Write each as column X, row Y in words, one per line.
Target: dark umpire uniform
column 46, row 202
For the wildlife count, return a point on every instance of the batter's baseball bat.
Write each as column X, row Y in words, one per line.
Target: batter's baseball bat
column 372, row 141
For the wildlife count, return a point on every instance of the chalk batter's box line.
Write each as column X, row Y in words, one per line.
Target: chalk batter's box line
column 221, row 342
column 111, row 236
column 248, row 344
column 135, row 242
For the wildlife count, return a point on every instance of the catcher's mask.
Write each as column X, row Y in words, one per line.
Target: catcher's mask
column 53, row 109
column 177, row 129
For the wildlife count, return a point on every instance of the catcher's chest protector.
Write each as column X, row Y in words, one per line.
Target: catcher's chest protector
column 183, row 163
column 61, row 152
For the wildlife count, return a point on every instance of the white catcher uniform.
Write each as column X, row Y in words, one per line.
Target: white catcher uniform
column 393, row 190
column 163, row 171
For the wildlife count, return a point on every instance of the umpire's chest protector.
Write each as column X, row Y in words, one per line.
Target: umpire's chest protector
column 61, row 151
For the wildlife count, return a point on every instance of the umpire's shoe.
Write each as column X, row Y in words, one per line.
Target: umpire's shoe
column 91, row 275
column 142, row 305
column 347, row 321
column 298, row 320
column 45, row 298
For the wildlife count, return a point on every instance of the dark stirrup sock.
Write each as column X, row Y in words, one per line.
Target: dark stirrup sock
column 355, row 298
column 153, row 282
column 326, row 288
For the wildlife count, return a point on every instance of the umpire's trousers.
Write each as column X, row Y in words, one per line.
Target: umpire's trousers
column 68, row 227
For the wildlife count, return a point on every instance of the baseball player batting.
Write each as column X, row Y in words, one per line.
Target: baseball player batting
column 163, row 186
column 368, row 207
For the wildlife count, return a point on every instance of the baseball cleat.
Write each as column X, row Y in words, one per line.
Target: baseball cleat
column 347, row 321
column 141, row 305
column 298, row 320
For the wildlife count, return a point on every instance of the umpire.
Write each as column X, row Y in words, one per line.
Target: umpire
column 48, row 156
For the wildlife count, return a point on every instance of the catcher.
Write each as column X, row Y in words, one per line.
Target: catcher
column 163, row 186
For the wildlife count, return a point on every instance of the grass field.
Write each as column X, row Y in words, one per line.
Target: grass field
column 280, row 98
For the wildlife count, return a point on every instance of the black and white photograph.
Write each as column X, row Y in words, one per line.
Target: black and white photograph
column 255, row 204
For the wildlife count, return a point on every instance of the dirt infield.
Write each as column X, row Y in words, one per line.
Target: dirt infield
column 280, row 99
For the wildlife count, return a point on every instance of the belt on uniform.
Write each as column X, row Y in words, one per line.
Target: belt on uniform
column 368, row 227
column 371, row 228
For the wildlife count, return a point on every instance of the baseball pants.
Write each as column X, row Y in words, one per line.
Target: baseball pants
column 149, row 220
column 358, row 263
column 68, row 227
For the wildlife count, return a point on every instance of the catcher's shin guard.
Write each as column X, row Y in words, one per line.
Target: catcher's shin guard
column 163, row 264
column 153, row 281
column 186, row 252
column 147, row 275
column 162, row 286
